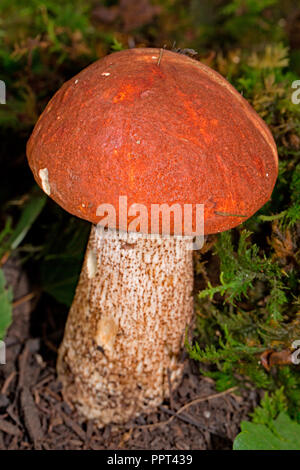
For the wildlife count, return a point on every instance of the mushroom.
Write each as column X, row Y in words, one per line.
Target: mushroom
column 147, row 127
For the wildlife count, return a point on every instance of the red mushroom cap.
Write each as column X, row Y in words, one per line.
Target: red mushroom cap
column 160, row 128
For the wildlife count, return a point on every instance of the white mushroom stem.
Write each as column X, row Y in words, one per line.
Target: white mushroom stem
column 127, row 324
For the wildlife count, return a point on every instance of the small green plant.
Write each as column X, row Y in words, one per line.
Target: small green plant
column 285, row 435
column 271, row 427
column 240, row 269
column 5, row 306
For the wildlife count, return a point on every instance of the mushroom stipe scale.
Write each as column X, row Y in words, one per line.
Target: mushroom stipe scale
column 159, row 128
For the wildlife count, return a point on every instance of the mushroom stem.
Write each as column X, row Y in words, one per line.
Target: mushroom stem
column 126, row 327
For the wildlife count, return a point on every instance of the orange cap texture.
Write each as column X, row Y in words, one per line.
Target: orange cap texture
column 160, row 128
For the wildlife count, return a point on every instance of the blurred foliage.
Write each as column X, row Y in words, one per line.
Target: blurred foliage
column 32, row 205
column 248, row 278
column 62, row 256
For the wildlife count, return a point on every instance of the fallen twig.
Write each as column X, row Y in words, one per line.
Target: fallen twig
column 187, row 405
column 7, row 382
column 24, row 299
column 188, row 419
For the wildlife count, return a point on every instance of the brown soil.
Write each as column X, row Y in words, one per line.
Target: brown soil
column 33, row 414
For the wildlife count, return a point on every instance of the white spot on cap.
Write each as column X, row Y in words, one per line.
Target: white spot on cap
column 267, row 174
column 91, row 264
column 76, row 81
column 105, row 74
column 154, row 57
column 138, row 141
column 43, row 174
